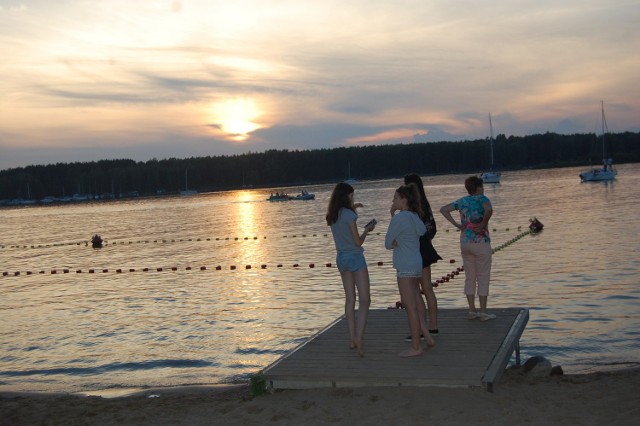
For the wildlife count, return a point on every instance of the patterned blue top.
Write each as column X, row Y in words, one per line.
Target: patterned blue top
column 471, row 213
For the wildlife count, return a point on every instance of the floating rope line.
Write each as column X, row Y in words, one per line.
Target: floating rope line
column 448, row 277
column 32, row 246
column 156, row 241
column 105, row 243
column 445, row 278
column 513, row 240
column 534, row 227
column 167, row 269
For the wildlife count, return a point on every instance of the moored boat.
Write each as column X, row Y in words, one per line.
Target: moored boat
column 187, row 192
column 349, row 179
column 606, row 172
column 491, row 176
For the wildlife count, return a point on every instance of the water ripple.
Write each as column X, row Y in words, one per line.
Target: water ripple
column 578, row 278
column 108, row 368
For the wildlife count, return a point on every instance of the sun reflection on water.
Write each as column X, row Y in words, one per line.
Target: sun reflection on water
column 578, row 277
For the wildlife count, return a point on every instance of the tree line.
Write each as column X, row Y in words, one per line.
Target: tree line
column 124, row 177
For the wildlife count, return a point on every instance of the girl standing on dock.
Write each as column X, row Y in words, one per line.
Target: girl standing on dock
column 475, row 244
column 342, row 217
column 403, row 237
column 428, row 253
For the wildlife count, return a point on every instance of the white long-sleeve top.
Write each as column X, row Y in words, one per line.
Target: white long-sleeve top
column 405, row 228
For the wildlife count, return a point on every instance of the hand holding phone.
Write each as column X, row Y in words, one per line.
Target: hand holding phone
column 369, row 226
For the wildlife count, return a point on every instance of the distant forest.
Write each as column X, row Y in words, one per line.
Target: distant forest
column 272, row 168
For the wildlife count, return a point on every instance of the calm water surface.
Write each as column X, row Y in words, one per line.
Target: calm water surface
column 110, row 330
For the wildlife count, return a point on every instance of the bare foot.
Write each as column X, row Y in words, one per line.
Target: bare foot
column 359, row 346
column 410, row 352
column 430, row 342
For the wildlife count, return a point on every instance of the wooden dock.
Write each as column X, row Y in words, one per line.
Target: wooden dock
column 468, row 353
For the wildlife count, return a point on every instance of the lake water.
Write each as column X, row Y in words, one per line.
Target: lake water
column 236, row 300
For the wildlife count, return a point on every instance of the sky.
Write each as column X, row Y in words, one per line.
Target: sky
column 87, row 80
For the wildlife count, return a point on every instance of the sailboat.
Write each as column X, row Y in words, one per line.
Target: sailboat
column 606, row 172
column 491, row 176
column 187, row 191
column 349, row 179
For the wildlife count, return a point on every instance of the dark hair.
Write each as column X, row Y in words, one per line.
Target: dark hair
column 424, row 202
column 411, row 194
column 339, row 199
column 472, row 183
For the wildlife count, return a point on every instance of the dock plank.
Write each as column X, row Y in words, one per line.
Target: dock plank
column 468, row 353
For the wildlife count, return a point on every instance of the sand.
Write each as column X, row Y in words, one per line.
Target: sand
column 610, row 398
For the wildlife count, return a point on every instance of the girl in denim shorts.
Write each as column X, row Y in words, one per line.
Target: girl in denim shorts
column 342, row 217
column 403, row 237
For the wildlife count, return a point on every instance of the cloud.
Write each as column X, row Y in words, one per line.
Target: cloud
column 149, row 78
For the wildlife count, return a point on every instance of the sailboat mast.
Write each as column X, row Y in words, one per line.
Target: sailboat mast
column 604, row 125
column 491, row 139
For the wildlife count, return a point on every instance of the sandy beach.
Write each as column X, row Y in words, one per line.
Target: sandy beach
column 596, row 398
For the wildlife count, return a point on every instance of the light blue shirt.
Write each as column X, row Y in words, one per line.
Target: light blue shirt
column 406, row 228
column 342, row 234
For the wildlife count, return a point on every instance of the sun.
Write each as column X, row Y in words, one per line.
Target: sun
column 235, row 117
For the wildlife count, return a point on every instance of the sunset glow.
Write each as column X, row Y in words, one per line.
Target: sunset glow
column 90, row 80
column 235, row 118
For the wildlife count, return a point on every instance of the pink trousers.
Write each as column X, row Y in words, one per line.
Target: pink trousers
column 476, row 258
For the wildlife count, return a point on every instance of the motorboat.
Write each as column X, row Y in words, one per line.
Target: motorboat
column 279, row 197
column 304, row 195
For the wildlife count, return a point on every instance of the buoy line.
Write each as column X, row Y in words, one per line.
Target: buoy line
column 534, row 228
column 106, row 243
column 55, row 271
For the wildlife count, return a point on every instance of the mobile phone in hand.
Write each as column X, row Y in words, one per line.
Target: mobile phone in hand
column 371, row 222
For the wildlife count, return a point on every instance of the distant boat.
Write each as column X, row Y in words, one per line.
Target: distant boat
column 187, row 191
column 349, row 179
column 304, row 195
column 606, row 172
column 279, row 197
column 491, row 176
